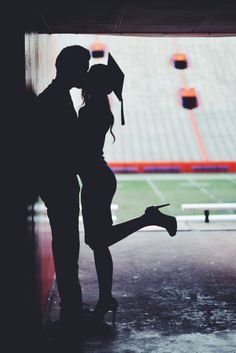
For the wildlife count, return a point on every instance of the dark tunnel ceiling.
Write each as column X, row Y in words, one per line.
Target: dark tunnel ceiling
column 135, row 17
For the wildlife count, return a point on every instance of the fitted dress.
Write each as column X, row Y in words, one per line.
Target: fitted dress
column 98, row 180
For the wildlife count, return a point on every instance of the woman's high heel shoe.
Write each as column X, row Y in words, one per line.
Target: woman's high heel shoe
column 102, row 308
column 162, row 220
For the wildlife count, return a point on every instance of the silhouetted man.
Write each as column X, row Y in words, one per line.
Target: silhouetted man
column 58, row 183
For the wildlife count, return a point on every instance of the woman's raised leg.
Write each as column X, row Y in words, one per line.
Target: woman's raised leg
column 152, row 216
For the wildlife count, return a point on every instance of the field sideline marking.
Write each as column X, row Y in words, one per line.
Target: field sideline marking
column 181, row 176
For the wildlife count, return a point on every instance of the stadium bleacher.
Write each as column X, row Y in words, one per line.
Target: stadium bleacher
column 158, row 129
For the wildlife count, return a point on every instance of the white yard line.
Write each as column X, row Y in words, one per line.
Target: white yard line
column 155, row 189
column 203, row 190
column 232, row 181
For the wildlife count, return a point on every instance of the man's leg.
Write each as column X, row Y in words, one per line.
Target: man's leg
column 62, row 200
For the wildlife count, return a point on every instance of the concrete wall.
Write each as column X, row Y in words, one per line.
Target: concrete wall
column 39, row 71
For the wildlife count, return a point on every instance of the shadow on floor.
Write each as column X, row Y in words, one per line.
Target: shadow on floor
column 175, row 295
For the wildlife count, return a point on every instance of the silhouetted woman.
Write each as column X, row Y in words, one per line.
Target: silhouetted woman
column 99, row 186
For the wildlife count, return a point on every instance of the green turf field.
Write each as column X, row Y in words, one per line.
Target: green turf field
column 137, row 191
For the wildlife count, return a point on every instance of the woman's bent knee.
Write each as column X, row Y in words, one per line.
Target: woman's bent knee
column 98, row 248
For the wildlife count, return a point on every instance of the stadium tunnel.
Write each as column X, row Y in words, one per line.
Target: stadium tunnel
column 29, row 259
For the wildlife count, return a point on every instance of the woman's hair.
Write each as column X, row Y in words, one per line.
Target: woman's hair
column 97, row 88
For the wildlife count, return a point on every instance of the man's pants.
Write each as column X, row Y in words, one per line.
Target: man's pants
column 60, row 194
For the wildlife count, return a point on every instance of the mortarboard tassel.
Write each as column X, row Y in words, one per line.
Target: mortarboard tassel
column 122, row 113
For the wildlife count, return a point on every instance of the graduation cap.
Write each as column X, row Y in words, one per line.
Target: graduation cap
column 117, row 79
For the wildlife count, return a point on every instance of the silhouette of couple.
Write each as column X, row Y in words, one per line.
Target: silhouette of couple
column 73, row 145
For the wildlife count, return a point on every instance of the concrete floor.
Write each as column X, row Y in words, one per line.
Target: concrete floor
column 175, row 294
